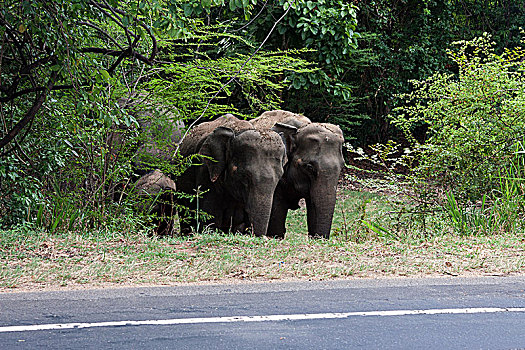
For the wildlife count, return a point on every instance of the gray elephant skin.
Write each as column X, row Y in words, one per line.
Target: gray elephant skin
column 240, row 169
column 159, row 132
column 315, row 160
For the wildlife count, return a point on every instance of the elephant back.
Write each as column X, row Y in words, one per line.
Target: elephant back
column 324, row 130
column 154, row 193
column 268, row 119
column 159, row 131
column 333, row 128
column 153, row 183
column 194, row 140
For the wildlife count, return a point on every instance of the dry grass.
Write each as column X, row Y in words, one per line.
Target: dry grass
column 74, row 261
column 38, row 260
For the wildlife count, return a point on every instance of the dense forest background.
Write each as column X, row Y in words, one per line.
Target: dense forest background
column 78, row 78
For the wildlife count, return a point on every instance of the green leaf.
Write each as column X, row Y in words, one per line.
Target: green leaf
column 126, row 20
column 105, row 74
column 379, row 230
column 188, row 10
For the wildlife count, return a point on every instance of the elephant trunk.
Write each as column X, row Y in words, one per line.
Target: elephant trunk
column 260, row 198
column 320, row 206
column 259, row 207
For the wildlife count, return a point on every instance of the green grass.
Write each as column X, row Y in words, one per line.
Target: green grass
column 37, row 259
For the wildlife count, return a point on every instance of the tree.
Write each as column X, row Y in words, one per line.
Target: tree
column 321, row 32
column 66, row 65
column 49, row 46
column 405, row 40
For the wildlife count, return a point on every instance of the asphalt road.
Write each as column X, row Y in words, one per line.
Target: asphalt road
column 457, row 313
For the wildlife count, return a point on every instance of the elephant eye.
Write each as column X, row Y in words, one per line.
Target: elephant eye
column 310, row 168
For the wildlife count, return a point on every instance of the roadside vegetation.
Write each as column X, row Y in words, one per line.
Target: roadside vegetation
column 35, row 259
column 432, row 107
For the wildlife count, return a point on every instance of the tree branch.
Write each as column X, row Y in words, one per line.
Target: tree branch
column 125, row 53
column 28, row 91
column 30, row 115
column 102, row 31
column 116, row 53
column 116, row 11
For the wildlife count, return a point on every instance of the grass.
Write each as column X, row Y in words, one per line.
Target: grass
column 41, row 260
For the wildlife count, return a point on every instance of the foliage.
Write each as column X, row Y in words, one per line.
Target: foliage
column 57, row 62
column 469, row 168
column 329, row 28
column 90, row 89
column 404, row 40
column 322, row 32
column 67, row 141
column 475, row 120
column 502, row 212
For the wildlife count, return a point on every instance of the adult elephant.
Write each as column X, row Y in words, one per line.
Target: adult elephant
column 241, row 168
column 315, row 160
column 157, row 136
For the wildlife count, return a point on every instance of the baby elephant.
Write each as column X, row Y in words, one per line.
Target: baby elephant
column 240, row 169
column 155, row 196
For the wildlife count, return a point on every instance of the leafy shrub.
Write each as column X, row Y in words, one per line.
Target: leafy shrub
column 474, row 120
column 468, row 165
column 68, row 149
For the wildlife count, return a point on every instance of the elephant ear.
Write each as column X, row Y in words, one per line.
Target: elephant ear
column 287, row 133
column 214, row 149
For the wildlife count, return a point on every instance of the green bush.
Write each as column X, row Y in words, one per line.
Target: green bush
column 474, row 120
column 462, row 169
column 69, row 149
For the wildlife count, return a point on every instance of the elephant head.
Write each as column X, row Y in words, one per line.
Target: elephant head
column 244, row 168
column 155, row 196
column 315, row 162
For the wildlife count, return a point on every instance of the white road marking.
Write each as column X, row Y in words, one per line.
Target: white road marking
column 269, row 318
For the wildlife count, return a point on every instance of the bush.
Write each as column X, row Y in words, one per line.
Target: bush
column 463, row 167
column 70, row 152
column 474, row 120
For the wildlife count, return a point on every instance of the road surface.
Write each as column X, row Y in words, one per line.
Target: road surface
column 439, row 313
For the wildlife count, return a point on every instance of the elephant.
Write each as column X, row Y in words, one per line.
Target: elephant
column 315, row 160
column 150, row 144
column 240, row 169
column 158, row 134
column 155, row 195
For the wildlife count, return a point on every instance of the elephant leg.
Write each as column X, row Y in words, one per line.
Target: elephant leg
column 186, row 213
column 277, row 223
column 235, row 219
column 191, row 213
column 166, row 218
column 187, row 224
column 162, row 228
